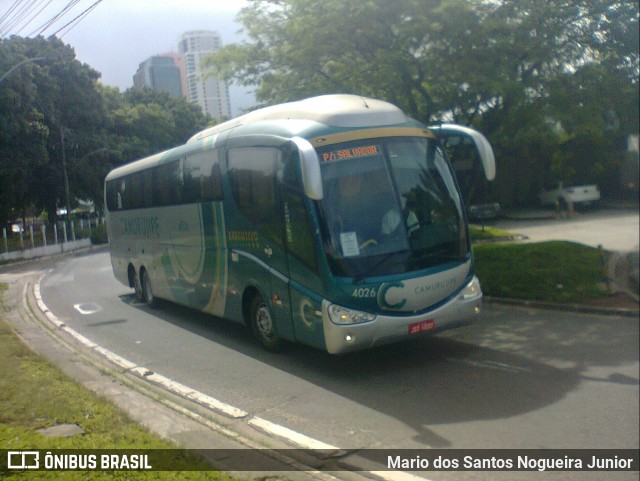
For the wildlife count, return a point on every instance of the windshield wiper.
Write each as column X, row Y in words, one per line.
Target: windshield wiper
column 438, row 257
column 373, row 267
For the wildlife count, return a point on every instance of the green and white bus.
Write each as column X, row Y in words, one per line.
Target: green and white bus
column 334, row 221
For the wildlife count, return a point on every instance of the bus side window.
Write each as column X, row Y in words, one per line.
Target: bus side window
column 168, row 184
column 463, row 155
column 202, row 181
column 298, row 230
column 135, row 192
column 216, row 182
column 147, row 185
column 252, row 172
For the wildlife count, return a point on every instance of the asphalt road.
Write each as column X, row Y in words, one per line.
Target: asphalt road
column 518, row 378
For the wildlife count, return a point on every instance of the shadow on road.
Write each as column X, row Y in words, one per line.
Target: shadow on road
column 488, row 371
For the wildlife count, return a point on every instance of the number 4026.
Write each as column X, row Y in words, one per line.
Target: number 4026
column 363, row 292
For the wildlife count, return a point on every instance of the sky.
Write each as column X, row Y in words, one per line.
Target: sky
column 117, row 35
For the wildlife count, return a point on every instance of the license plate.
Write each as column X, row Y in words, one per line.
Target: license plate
column 422, row 326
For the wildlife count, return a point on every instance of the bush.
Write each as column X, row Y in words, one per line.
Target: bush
column 555, row 271
column 99, row 235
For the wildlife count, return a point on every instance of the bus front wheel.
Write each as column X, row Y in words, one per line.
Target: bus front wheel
column 263, row 325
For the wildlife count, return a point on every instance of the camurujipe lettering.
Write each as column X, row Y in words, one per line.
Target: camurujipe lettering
column 435, row 285
column 141, row 226
column 242, row 236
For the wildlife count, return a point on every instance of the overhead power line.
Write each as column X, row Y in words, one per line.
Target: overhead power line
column 42, row 28
column 8, row 13
column 76, row 20
column 34, row 16
column 22, row 14
column 18, row 15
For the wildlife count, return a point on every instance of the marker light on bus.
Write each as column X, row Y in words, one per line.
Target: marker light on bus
column 472, row 290
column 342, row 315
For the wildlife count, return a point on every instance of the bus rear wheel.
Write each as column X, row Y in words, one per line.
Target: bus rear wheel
column 263, row 325
column 147, row 289
column 136, row 283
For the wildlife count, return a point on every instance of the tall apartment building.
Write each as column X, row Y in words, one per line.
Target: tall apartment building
column 160, row 72
column 210, row 93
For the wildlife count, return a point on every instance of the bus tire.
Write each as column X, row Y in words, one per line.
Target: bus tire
column 563, row 204
column 137, row 285
column 147, row 289
column 263, row 324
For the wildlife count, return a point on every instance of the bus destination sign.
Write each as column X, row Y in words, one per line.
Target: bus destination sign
column 352, row 153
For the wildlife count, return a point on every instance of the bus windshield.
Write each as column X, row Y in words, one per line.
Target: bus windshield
column 390, row 206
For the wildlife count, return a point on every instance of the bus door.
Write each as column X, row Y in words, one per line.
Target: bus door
column 256, row 232
column 305, row 287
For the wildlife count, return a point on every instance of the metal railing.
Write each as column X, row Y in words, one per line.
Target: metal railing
column 37, row 240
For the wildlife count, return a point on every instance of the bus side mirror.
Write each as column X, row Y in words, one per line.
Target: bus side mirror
column 483, row 147
column 309, row 168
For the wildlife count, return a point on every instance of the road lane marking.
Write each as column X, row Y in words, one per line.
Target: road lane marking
column 213, row 403
column 84, row 340
column 189, row 393
column 42, row 306
column 292, row 436
column 115, row 359
column 87, row 308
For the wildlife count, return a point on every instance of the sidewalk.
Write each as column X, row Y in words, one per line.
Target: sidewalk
column 542, row 213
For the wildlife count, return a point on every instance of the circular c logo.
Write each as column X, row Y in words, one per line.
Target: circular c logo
column 382, row 294
column 306, row 308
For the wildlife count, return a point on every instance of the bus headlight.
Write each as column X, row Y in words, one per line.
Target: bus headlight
column 472, row 291
column 344, row 316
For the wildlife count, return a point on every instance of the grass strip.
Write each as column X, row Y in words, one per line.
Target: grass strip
column 35, row 395
column 555, row 271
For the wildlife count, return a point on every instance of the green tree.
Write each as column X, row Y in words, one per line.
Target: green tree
column 508, row 67
column 300, row 48
column 23, row 134
column 41, row 100
column 147, row 121
column 55, row 114
column 566, row 66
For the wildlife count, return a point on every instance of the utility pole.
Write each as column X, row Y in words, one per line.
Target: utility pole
column 65, row 174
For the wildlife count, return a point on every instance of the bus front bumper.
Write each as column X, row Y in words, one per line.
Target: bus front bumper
column 460, row 310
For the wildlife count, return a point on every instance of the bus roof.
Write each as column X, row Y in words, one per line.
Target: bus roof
column 152, row 160
column 339, row 110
